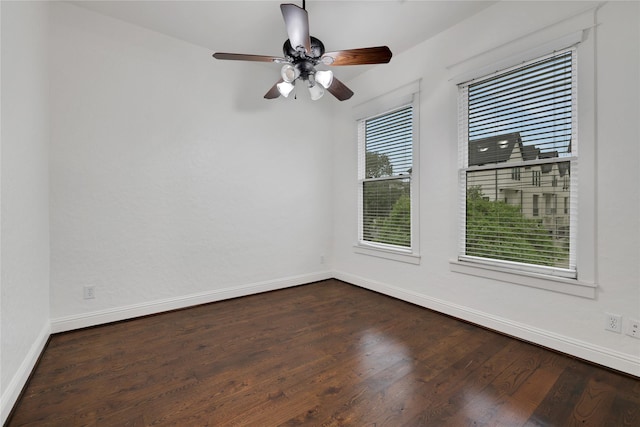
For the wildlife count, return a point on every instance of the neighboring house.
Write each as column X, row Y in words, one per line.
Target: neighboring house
column 540, row 190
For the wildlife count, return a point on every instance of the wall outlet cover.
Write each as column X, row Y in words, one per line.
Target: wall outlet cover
column 633, row 329
column 613, row 322
column 89, row 292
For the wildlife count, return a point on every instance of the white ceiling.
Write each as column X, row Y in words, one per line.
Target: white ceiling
column 257, row 27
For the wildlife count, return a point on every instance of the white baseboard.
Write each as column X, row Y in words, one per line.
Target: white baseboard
column 603, row 356
column 68, row 323
column 12, row 392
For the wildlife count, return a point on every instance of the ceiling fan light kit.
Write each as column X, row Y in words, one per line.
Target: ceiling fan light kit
column 302, row 53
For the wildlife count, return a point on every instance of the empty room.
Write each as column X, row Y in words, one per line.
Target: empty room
column 320, row 213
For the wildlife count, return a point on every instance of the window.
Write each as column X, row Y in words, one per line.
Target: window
column 550, row 203
column 386, row 166
column 535, row 178
column 515, row 174
column 523, row 117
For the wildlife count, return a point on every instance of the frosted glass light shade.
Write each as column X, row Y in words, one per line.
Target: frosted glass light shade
column 289, row 73
column 324, row 77
column 316, row 92
column 285, row 88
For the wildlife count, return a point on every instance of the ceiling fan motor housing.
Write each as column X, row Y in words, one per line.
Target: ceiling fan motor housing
column 304, row 62
column 317, row 50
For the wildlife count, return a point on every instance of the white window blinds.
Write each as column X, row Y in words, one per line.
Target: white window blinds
column 534, row 100
column 518, row 138
column 386, row 143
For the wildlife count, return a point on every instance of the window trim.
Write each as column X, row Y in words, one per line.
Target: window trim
column 407, row 95
column 524, row 278
column 399, row 254
column 577, row 30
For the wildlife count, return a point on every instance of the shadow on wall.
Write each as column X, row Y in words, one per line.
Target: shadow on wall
column 251, row 82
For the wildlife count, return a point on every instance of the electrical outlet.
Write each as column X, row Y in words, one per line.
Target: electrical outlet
column 633, row 329
column 613, row 322
column 89, row 292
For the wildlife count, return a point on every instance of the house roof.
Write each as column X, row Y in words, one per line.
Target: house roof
column 529, row 152
column 499, row 149
column 495, row 149
column 547, row 167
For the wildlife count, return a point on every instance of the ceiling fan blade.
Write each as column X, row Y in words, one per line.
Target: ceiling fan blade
column 296, row 20
column 273, row 93
column 339, row 90
column 366, row 55
column 248, row 57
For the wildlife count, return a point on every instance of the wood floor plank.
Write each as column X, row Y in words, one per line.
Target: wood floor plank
column 560, row 403
column 513, row 402
column 324, row 354
column 623, row 413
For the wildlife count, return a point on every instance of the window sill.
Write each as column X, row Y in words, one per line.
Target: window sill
column 386, row 253
column 533, row 280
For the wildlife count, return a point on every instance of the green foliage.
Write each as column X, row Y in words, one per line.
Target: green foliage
column 386, row 212
column 387, row 204
column 498, row 230
column 395, row 229
column 377, row 165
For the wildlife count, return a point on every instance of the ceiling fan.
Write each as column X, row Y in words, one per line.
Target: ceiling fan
column 302, row 53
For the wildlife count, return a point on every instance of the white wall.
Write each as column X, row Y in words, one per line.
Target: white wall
column 24, row 281
column 168, row 186
column 609, row 231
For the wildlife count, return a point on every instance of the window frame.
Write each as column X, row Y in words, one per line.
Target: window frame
column 406, row 96
column 575, row 31
column 465, row 167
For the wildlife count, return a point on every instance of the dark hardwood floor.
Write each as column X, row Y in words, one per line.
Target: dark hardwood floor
column 324, row 354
